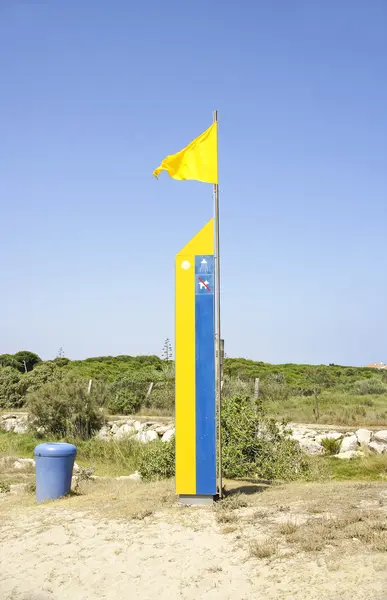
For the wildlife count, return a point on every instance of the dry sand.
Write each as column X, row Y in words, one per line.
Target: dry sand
column 80, row 549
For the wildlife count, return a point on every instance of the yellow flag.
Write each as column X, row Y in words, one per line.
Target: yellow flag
column 199, row 160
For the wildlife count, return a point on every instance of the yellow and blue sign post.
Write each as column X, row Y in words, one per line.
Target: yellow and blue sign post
column 195, row 370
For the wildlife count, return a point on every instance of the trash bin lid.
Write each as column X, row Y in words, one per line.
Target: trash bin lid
column 55, row 449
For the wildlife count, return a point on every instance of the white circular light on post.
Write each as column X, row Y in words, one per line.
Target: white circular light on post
column 185, row 264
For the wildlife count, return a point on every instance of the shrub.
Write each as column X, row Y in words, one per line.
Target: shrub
column 64, row 408
column 27, row 360
column 232, row 386
column 157, row 461
column 331, row 446
column 12, row 388
column 253, row 445
column 47, row 372
column 374, row 385
column 162, row 397
column 123, row 403
column 126, row 394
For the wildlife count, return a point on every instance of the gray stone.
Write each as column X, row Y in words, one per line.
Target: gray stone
column 363, row 436
column 27, row 461
column 378, row 448
column 133, row 477
column 21, row 427
column 161, row 429
column 310, row 433
column 124, row 431
column 146, row 436
column 76, row 468
column 9, row 424
column 168, row 435
column 310, row 446
column 348, row 443
column 23, row 463
column 17, row 488
column 381, row 436
column 139, row 426
column 104, row 433
column 349, row 454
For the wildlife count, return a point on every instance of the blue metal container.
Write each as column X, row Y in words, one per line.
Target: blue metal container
column 54, row 469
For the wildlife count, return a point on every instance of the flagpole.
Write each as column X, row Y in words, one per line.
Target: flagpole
column 218, row 373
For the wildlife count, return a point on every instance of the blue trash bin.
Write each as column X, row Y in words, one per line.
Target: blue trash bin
column 54, row 469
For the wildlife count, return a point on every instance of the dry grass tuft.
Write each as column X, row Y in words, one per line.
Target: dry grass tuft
column 124, row 499
column 225, row 509
column 265, row 549
column 226, row 516
column 316, row 508
column 370, row 528
column 228, row 529
column 288, row 528
column 234, row 502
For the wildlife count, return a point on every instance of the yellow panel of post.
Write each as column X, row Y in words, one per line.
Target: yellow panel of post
column 195, row 467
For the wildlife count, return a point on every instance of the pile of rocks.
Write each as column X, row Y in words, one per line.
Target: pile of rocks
column 113, row 430
column 15, row 423
column 350, row 443
column 141, row 432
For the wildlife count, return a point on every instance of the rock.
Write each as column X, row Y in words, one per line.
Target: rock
column 146, row 436
column 21, row 427
column 139, row 426
column 104, row 434
column 168, row 435
column 23, row 463
column 124, row 431
column 133, row 477
column 350, row 454
column 378, row 448
column 349, row 443
column 17, row 488
column 310, row 433
column 161, row 429
column 310, row 446
column 76, row 468
column 363, row 436
column 9, row 424
column 381, row 436
column 114, row 428
column 6, row 462
column 27, row 461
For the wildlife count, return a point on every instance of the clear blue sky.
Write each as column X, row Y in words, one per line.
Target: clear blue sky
column 93, row 94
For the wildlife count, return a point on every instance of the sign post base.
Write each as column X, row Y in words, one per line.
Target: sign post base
column 196, row 500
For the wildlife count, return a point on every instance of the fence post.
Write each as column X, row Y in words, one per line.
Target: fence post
column 256, row 388
column 149, row 391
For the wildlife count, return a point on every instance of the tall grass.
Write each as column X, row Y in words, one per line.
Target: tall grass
column 108, row 458
column 336, row 408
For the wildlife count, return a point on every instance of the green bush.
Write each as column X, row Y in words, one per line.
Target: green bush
column 162, row 397
column 157, row 460
column 64, row 408
column 253, row 445
column 374, row 385
column 124, row 402
column 12, row 388
column 47, row 372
